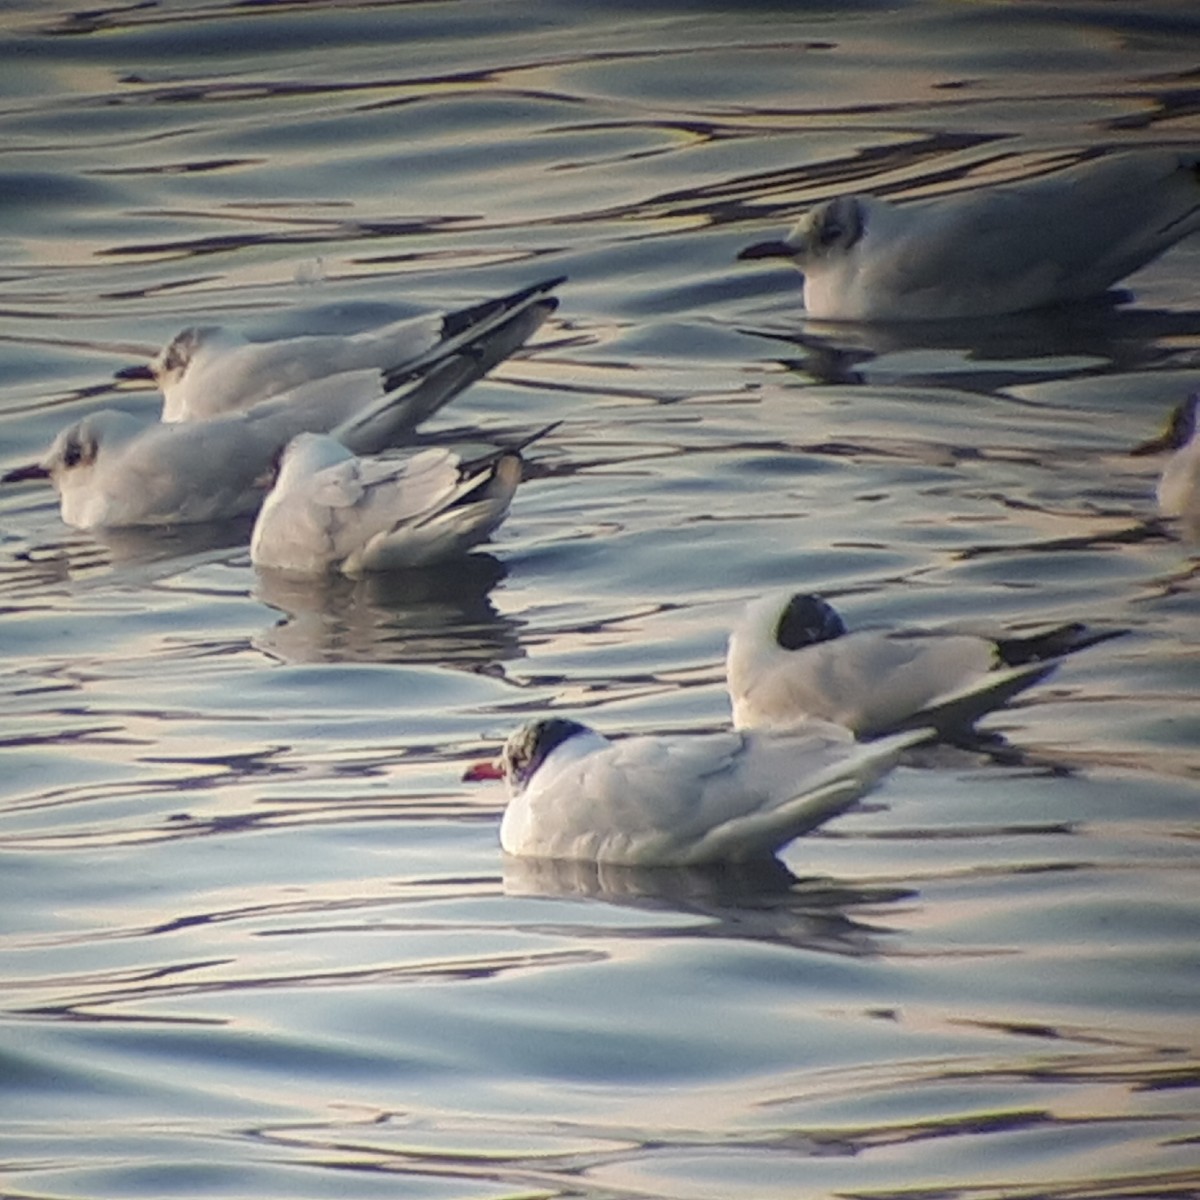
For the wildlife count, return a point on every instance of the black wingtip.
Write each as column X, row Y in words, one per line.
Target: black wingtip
column 1053, row 643
column 464, row 319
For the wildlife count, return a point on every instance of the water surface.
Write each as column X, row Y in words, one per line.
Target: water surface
column 259, row 938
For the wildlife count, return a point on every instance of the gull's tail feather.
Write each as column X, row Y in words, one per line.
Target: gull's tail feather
column 829, row 793
column 955, row 715
column 1051, row 643
column 414, row 394
column 474, row 326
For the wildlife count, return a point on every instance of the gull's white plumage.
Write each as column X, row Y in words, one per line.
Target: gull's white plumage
column 208, row 370
column 678, row 801
column 790, row 659
column 1061, row 237
column 332, row 511
column 1178, row 488
column 112, row 470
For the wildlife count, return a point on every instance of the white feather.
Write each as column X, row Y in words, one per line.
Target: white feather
column 330, row 511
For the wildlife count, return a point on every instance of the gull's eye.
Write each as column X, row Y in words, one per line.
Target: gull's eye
column 72, row 453
column 830, row 232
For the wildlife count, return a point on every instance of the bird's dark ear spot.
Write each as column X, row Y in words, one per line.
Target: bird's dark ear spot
column 73, row 452
column 841, row 223
column 807, row 620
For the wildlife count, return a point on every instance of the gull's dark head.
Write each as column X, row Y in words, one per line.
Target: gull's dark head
column 531, row 745
column 805, row 621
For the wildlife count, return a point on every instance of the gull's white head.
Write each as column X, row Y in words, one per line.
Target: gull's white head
column 73, row 453
column 824, row 232
column 765, row 637
column 528, row 748
column 169, row 366
column 172, row 362
column 71, row 462
column 788, row 621
column 77, row 448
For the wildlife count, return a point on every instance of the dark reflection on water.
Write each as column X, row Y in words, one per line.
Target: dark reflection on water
column 763, row 901
column 441, row 614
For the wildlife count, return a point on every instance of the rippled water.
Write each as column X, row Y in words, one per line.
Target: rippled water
column 258, row 937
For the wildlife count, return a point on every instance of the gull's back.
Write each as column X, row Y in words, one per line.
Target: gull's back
column 226, row 373
column 1067, row 236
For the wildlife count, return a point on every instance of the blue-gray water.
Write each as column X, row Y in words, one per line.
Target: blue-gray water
column 258, row 939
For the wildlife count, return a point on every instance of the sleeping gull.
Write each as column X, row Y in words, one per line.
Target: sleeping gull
column 791, row 659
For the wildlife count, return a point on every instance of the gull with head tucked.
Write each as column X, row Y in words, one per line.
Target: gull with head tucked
column 1065, row 236
column 791, row 659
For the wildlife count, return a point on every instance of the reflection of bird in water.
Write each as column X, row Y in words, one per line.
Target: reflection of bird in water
column 1015, row 348
column 1065, row 236
column 1179, row 484
column 441, row 614
column 126, row 557
column 760, row 901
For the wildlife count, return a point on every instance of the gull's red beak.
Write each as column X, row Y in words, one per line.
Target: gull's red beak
column 484, row 770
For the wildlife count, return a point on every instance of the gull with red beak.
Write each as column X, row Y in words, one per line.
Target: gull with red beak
column 677, row 801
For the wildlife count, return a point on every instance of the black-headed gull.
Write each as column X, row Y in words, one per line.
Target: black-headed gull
column 113, row 470
column 677, row 801
column 1066, row 236
column 1179, row 484
column 791, row 658
column 208, row 370
column 332, row 511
